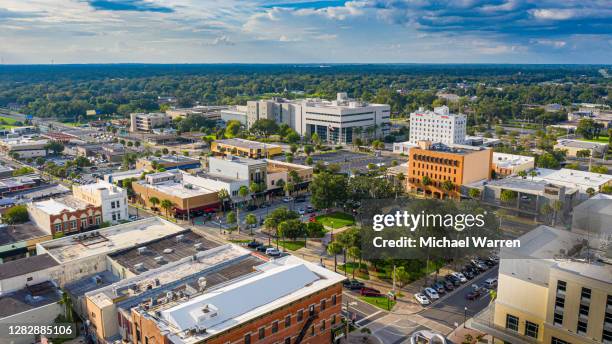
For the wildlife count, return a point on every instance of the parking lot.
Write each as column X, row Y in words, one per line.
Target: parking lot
column 348, row 161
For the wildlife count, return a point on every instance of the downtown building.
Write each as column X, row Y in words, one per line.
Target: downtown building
column 438, row 126
column 337, row 121
column 556, row 288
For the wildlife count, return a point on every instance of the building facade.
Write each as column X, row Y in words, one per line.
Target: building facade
column 148, row 121
column 111, row 198
column 65, row 215
column 509, row 164
column 245, row 148
column 439, row 171
column 438, row 126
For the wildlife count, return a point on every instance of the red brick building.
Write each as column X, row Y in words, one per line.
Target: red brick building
column 65, row 215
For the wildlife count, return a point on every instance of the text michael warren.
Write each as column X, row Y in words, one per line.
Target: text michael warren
column 444, row 242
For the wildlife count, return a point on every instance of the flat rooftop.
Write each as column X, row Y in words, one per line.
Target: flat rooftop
column 580, row 144
column 273, row 285
column 41, row 192
column 171, row 248
column 573, row 178
column 56, row 206
column 14, row 182
column 509, row 160
column 21, row 232
column 26, row 265
column 29, row 298
column 246, row 144
column 237, row 160
column 218, row 176
column 171, row 159
column 101, row 185
column 178, row 188
column 519, row 184
column 89, row 283
column 108, row 240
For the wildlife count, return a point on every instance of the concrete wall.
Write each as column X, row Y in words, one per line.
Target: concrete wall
column 19, row 282
column 44, row 315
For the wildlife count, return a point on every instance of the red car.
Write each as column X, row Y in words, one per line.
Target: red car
column 473, row 295
column 365, row 291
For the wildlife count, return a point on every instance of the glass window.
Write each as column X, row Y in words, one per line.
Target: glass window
column 288, row 340
column 300, row 315
column 247, row 338
column 288, row 320
column 585, row 293
column 333, row 320
column 561, row 285
column 558, row 319
column 323, row 304
column 334, row 299
column 584, row 310
column 262, row 333
column 582, row 327
column 531, row 329
column 322, row 325
column 512, row 322
column 275, row 327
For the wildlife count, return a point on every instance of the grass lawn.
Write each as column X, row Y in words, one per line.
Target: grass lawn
column 336, row 220
column 292, row 245
column 381, row 302
column 245, row 241
column 601, row 139
column 361, row 273
column 7, row 121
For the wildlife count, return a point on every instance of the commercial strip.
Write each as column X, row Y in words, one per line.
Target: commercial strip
column 64, row 215
column 245, row 148
column 594, row 149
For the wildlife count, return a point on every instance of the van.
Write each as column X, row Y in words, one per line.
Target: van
column 490, row 283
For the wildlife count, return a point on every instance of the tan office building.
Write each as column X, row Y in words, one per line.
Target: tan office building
column 551, row 290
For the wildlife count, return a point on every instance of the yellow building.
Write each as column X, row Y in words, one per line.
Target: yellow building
column 551, row 290
column 438, row 171
column 245, row 148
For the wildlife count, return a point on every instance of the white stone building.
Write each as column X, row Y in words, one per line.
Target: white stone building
column 111, row 198
column 437, row 126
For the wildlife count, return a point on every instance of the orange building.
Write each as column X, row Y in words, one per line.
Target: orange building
column 438, row 171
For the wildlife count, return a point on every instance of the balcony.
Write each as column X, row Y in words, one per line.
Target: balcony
column 483, row 321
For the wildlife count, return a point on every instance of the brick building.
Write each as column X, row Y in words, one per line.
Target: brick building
column 65, row 215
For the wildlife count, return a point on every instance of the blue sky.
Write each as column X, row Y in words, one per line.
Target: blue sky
column 302, row 31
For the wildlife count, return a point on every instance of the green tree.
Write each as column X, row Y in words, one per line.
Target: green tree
column 315, row 230
column 223, row 196
column 167, row 205
column 474, row 193
column 599, row 169
column 16, row 214
column 54, row 147
column 308, row 149
column 264, row 127
column 154, row 201
column 334, row 249
column 309, row 161
column 292, row 229
column 508, row 196
column 401, row 276
column 583, row 153
column 328, row 190
column 591, row 192
column 522, row 174
column 22, row 171
column 250, row 221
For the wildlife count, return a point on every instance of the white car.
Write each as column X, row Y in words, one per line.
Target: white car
column 287, row 199
column 301, row 211
column 272, row 252
column 432, row 294
column 422, row 299
column 460, row 276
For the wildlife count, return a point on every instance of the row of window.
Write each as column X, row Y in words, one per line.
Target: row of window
column 427, row 158
column 434, row 167
column 531, row 329
column 70, row 226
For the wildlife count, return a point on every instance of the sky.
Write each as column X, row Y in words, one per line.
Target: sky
column 303, row 31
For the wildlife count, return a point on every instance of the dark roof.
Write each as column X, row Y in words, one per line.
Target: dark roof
column 28, row 298
column 26, row 265
column 12, row 234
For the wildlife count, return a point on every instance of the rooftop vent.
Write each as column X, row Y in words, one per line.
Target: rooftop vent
column 168, row 250
column 159, row 259
column 139, row 266
column 180, row 237
column 198, row 246
column 97, row 279
column 142, row 250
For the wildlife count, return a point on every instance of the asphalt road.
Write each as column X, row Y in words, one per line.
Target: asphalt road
column 449, row 310
column 361, row 312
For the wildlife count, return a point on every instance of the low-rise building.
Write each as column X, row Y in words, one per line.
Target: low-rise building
column 595, row 149
column 84, row 254
column 111, row 198
column 117, row 177
column 403, row 147
column 509, row 164
column 255, row 171
column 581, row 180
column 439, row 171
column 19, row 274
column 209, row 112
column 65, row 215
column 554, row 288
column 234, row 113
column 168, row 162
column 148, row 121
column 245, row 148
column 24, row 147
column 187, row 193
column 299, row 175
column 9, row 186
column 19, row 241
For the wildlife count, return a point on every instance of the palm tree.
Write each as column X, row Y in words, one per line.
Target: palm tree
column 242, row 192
column 522, row 174
column 355, row 252
column 533, row 173
column 167, row 205
column 590, row 192
column 154, row 201
column 223, row 196
column 66, row 301
column 251, row 220
column 334, row 248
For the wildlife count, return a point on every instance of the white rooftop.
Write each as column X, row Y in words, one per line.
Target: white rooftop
column 110, row 239
column 56, row 206
column 509, row 160
column 279, row 282
column 101, row 185
column 581, row 180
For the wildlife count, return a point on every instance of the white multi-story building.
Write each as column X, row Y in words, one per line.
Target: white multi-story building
column 437, row 126
column 333, row 121
column 148, row 121
column 111, row 198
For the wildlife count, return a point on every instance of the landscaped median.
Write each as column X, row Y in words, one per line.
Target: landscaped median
column 336, row 220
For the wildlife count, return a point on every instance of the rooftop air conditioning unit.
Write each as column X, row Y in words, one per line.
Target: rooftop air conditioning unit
column 168, row 250
column 142, row 250
column 139, row 266
column 169, row 295
column 198, row 246
column 180, row 237
column 159, row 259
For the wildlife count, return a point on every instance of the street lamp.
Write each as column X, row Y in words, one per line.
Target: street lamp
column 348, row 317
column 464, row 315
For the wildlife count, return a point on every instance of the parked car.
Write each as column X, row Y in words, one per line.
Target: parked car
column 479, row 265
column 449, row 285
column 365, row 291
column 301, row 211
column 460, row 276
column 251, row 207
column 287, row 199
column 254, row 244
column 472, row 295
column 476, row 287
column 454, row 280
column 422, row 299
column 491, row 283
column 310, row 209
column 263, row 248
column 468, row 274
column 432, row 294
column 273, row 252
column 300, row 199
column 439, row 287
column 353, row 284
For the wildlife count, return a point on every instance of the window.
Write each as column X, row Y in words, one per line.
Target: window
column 323, row 304
column 559, row 302
column 262, row 333
column 323, row 325
column 584, row 310
column 275, row 327
column 300, row 315
column 29, row 279
column 83, row 223
column 114, row 217
column 73, row 224
column 531, row 329
column 606, row 337
column 113, row 204
column 512, row 322
column 288, row 320
column 558, row 319
column 581, row 328
column 333, row 320
column 58, row 227
column 288, row 340
column 561, row 286
column 247, row 338
column 585, row 294
column 98, row 219
column 334, row 300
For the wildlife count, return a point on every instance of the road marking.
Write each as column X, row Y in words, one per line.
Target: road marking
column 368, row 317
